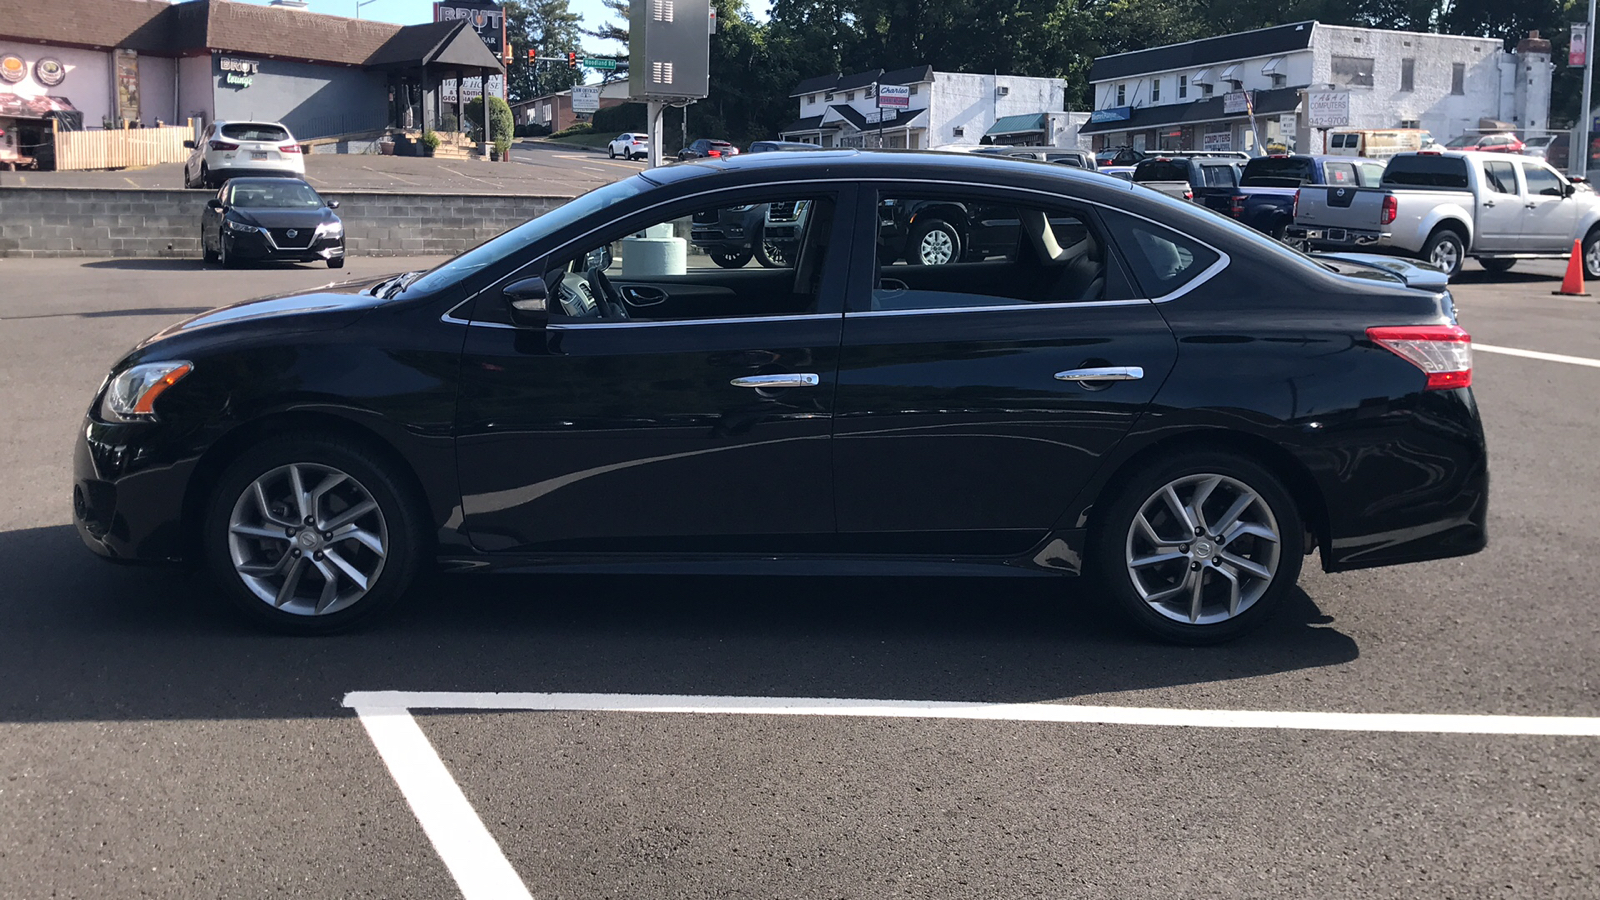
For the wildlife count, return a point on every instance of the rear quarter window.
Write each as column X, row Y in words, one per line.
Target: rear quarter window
column 1448, row 172
column 1162, row 260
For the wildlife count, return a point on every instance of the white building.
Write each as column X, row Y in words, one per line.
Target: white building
column 946, row 108
column 1192, row 96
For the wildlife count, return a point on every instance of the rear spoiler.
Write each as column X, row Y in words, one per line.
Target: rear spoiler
column 1412, row 274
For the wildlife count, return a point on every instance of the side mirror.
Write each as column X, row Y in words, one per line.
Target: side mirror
column 598, row 258
column 214, row 205
column 1567, row 190
column 188, row 145
column 527, row 302
column 333, row 204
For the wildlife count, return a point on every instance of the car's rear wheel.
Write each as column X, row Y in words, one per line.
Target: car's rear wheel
column 1497, row 266
column 934, row 243
column 1199, row 547
column 1591, row 254
column 209, row 254
column 223, row 259
column 771, row 254
column 730, row 259
column 205, row 178
column 1444, row 251
column 311, row 535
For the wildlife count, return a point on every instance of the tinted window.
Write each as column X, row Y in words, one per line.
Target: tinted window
column 1499, row 177
column 247, row 132
column 284, row 194
column 1162, row 259
column 943, row 252
column 1427, row 172
column 1161, row 170
column 1277, row 171
column 1219, row 176
column 1542, row 182
column 1339, row 173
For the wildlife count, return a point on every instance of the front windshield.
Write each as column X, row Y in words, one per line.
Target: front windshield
column 514, row 241
column 283, row 194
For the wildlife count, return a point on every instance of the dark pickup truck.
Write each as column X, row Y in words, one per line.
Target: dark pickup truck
column 1267, row 186
column 1211, row 182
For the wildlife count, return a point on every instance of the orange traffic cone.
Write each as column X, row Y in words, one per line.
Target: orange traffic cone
column 1572, row 285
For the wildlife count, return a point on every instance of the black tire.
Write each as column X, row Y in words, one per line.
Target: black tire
column 1445, row 249
column 919, row 255
column 205, row 249
column 402, row 522
column 1497, row 266
column 205, row 178
column 223, row 259
column 769, row 254
column 729, row 259
column 610, row 153
column 1113, row 543
column 336, row 262
column 1591, row 272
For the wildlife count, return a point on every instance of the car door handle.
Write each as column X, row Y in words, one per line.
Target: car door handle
column 798, row 379
column 1488, row 203
column 1105, row 373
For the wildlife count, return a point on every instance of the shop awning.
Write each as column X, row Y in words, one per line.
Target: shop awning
column 1027, row 124
column 1272, row 66
column 16, row 106
column 1272, row 102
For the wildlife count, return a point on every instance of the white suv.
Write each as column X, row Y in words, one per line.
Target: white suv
column 630, row 146
column 236, row 149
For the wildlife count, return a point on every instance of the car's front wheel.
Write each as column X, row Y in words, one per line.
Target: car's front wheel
column 310, row 535
column 935, row 243
column 1200, row 547
column 730, row 259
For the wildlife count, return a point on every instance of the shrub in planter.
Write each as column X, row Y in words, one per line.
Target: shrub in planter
column 503, row 148
column 430, row 143
column 500, row 120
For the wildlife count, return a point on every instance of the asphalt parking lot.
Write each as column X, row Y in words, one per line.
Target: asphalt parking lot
column 151, row 745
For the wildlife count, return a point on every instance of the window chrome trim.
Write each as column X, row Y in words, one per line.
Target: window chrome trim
column 648, row 323
column 1215, row 269
column 1015, row 307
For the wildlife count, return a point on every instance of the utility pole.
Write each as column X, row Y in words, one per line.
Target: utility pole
column 1588, row 77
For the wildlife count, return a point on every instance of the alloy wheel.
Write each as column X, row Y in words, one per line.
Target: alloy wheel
column 1446, row 256
column 1203, row 549
column 307, row 539
column 1591, row 259
column 936, row 248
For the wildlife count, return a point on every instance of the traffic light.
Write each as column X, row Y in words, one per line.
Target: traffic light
column 533, row 56
column 505, row 54
column 572, row 60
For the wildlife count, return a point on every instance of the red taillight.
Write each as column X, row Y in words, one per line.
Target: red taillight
column 1236, row 206
column 713, row 152
column 1188, row 194
column 1443, row 352
column 222, row 145
column 288, row 148
column 1391, row 210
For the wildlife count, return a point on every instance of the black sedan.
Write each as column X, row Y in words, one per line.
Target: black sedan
column 271, row 218
column 1135, row 389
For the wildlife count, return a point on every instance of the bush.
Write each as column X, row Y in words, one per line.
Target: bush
column 621, row 118
column 500, row 121
column 430, row 140
column 531, row 129
column 503, row 145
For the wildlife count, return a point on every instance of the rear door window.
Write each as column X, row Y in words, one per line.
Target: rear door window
column 1448, row 172
column 241, row 131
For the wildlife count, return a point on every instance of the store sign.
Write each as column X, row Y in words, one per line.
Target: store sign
column 12, row 68
column 1327, row 109
column 49, row 71
column 1217, row 140
column 894, row 96
column 1112, row 114
column 1578, row 49
column 125, row 63
column 489, row 21
column 586, row 98
column 238, row 73
column 1237, row 103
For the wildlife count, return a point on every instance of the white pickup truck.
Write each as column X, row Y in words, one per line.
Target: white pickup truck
column 1443, row 207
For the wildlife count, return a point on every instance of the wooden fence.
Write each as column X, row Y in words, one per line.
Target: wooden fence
column 121, row 149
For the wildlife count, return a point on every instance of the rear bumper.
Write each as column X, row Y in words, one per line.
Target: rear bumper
column 1337, row 238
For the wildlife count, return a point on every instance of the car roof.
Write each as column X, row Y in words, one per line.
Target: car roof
column 266, row 179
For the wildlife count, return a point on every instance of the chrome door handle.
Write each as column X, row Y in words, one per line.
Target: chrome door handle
column 1488, row 203
column 1108, row 373
column 799, row 379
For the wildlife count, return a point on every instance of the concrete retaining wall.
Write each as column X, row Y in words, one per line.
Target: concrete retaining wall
column 106, row 223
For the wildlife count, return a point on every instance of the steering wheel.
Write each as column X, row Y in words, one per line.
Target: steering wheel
column 610, row 299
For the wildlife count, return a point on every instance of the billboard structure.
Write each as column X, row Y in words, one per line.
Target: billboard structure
column 489, row 21
column 669, row 50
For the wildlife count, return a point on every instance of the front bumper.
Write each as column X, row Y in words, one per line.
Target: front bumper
column 260, row 244
column 128, row 492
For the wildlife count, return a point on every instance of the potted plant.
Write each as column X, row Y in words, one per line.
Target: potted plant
column 430, row 143
column 502, row 147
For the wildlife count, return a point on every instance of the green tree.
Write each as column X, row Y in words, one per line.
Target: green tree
column 550, row 28
column 499, row 119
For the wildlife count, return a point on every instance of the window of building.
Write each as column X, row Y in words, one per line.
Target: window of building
column 1206, row 89
column 811, row 98
column 1458, row 78
column 1122, row 95
column 850, row 96
column 1155, row 90
column 914, row 89
column 1410, row 123
column 1501, row 177
column 1353, row 71
column 959, row 252
column 1279, row 81
column 1183, row 87
column 1408, row 74
column 602, row 280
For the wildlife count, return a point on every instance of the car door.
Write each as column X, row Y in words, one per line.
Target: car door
column 968, row 411
column 1498, row 221
column 1549, row 214
column 191, row 166
column 699, row 423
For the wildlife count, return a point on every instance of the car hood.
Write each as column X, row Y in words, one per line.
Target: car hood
column 283, row 218
column 1412, row 274
column 331, row 306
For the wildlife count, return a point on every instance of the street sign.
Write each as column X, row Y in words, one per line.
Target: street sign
column 586, row 98
column 594, row 62
column 894, row 96
column 1327, row 109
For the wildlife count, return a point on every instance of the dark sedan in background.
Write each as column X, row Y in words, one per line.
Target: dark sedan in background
column 1132, row 388
column 271, row 219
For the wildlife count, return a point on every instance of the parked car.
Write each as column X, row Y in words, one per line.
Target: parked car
column 271, row 219
column 1552, row 148
column 1443, row 207
column 1211, row 182
column 771, row 146
column 1378, row 143
column 1505, row 142
column 1123, row 172
column 1118, row 156
column 1081, row 159
column 1267, row 186
column 236, row 149
column 706, row 148
column 629, row 145
column 528, row 404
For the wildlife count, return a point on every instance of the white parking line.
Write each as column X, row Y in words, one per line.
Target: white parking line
column 482, row 871
column 1535, row 354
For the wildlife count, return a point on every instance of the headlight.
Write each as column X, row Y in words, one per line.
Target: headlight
column 131, row 395
column 231, row 225
column 331, row 229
